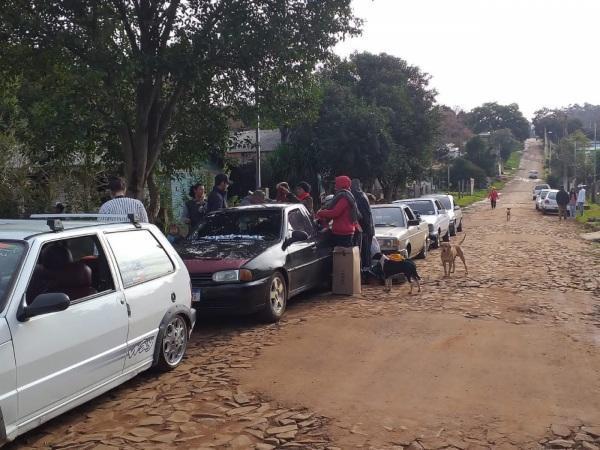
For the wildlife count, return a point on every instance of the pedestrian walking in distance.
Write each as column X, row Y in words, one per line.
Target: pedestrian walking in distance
column 493, row 196
column 365, row 222
column 562, row 200
column 194, row 210
column 581, row 200
column 572, row 203
column 121, row 205
column 343, row 212
column 217, row 199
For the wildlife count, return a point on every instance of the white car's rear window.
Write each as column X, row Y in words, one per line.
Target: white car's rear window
column 140, row 256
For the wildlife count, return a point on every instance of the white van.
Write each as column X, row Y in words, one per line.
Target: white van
column 84, row 306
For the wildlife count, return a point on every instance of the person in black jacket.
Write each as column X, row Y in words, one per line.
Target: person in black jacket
column 365, row 221
column 562, row 200
column 194, row 209
column 217, row 199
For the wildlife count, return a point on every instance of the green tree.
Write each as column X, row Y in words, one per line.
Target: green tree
column 151, row 63
column 504, row 142
column 463, row 169
column 493, row 117
column 478, row 152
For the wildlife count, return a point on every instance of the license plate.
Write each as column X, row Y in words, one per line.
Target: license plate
column 196, row 295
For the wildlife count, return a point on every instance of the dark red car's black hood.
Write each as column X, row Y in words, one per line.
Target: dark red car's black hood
column 207, row 256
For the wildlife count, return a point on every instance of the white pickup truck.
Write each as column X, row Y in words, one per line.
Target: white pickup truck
column 432, row 212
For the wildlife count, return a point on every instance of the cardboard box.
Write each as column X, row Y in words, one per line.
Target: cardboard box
column 346, row 271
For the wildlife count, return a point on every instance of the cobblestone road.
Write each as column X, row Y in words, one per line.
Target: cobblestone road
column 532, row 284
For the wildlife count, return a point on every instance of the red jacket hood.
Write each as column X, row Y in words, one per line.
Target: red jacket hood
column 343, row 182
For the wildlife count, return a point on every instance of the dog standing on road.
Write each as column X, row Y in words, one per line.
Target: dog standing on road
column 449, row 254
column 508, row 214
column 387, row 268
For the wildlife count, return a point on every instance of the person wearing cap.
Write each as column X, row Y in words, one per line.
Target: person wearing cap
column 217, row 199
column 343, row 212
column 258, row 197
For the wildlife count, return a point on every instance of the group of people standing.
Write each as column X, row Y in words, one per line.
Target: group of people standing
column 571, row 201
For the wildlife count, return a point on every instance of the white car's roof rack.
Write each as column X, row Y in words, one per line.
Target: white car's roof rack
column 55, row 224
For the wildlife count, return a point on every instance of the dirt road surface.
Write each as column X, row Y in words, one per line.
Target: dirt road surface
column 506, row 357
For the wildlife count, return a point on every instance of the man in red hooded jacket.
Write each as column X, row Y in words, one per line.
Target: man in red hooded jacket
column 343, row 212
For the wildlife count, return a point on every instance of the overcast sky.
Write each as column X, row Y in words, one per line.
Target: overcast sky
column 532, row 52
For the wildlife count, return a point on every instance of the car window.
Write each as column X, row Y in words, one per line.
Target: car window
column 445, row 201
column 423, row 207
column 297, row 221
column 388, row 217
column 539, row 187
column 241, row 224
column 77, row 267
column 11, row 255
column 438, row 205
column 409, row 213
column 140, row 256
column 551, row 195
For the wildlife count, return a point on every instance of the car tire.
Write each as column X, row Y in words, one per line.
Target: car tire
column 408, row 249
column 173, row 340
column 436, row 241
column 459, row 228
column 446, row 237
column 423, row 254
column 276, row 300
column 452, row 229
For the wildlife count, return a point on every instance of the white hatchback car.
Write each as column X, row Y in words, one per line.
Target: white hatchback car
column 84, row 307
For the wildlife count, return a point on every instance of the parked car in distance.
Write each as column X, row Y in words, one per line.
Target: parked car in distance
column 548, row 204
column 452, row 209
column 537, row 189
column 540, row 198
column 253, row 259
column 397, row 228
column 84, row 306
column 533, row 174
column 432, row 212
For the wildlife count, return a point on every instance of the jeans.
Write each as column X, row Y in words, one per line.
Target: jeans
column 493, row 202
column 580, row 208
column 572, row 210
column 339, row 240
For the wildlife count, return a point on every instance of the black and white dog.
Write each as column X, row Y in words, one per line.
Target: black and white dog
column 386, row 268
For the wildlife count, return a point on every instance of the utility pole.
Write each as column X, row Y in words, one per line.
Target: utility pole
column 258, row 180
column 575, row 165
column 595, row 166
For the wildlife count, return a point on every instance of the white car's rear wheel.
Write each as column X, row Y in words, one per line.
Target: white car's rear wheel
column 173, row 343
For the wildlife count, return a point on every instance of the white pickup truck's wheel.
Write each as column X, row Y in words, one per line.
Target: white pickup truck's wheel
column 173, row 343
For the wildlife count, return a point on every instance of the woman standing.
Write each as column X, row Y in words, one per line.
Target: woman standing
column 303, row 196
column 572, row 203
column 194, row 209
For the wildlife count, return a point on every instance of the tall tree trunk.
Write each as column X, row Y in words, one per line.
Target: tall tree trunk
column 154, row 190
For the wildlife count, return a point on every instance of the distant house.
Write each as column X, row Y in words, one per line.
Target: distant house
column 242, row 144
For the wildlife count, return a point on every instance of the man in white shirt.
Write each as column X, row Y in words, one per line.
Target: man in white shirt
column 122, row 205
column 581, row 200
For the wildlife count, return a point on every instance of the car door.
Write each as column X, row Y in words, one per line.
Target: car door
column 150, row 285
column 442, row 216
column 62, row 355
column 303, row 255
column 413, row 231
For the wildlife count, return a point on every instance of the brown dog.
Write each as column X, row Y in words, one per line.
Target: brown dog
column 449, row 254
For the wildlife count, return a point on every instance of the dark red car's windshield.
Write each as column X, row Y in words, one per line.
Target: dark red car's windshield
column 264, row 225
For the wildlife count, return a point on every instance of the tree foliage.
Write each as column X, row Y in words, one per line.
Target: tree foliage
column 377, row 121
column 165, row 74
column 492, row 117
